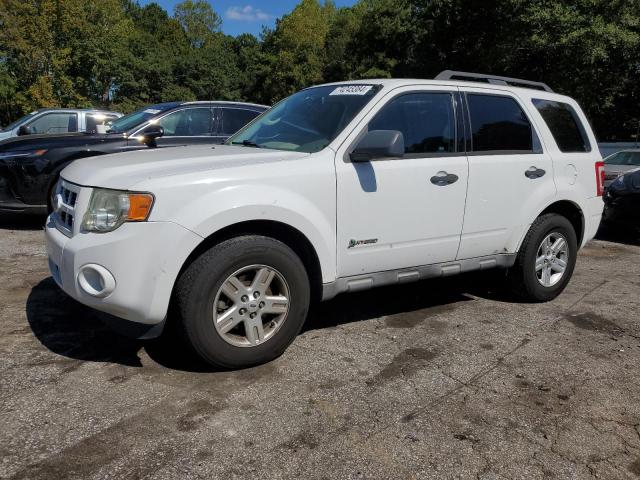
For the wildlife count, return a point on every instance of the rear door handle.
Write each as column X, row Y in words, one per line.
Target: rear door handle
column 534, row 172
column 442, row 179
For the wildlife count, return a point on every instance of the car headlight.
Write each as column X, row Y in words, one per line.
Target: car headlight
column 22, row 154
column 618, row 182
column 108, row 209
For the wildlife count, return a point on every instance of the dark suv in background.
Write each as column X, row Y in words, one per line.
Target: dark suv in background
column 30, row 164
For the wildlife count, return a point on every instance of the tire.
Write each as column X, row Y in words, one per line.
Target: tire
column 208, row 282
column 537, row 285
column 50, row 192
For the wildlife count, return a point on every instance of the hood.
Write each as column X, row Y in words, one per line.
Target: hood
column 124, row 170
column 626, row 184
column 48, row 141
column 613, row 168
column 5, row 134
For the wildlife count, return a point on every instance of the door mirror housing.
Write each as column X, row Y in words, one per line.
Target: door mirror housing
column 24, row 130
column 150, row 134
column 379, row 144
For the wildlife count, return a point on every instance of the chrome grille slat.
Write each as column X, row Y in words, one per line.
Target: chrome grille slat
column 64, row 214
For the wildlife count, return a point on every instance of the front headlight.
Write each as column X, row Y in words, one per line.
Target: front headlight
column 618, row 182
column 108, row 209
column 22, row 154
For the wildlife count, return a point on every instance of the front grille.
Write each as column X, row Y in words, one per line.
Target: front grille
column 64, row 204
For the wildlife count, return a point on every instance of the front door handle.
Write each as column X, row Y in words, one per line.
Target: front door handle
column 534, row 172
column 442, row 179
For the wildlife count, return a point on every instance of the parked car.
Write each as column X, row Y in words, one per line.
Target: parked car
column 30, row 165
column 337, row 188
column 619, row 163
column 53, row 121
column 622, row 201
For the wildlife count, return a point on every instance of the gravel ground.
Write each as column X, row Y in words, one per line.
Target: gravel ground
column 441, row 379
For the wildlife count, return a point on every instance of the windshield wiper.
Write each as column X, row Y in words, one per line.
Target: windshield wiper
column 247, row 143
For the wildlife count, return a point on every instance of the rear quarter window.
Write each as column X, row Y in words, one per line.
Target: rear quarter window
column 565, row 126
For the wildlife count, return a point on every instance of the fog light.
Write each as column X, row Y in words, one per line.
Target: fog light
column 95, row 280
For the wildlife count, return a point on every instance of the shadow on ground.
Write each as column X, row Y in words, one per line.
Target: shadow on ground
column 68, row 328
column 626, row 236
column 21, row 221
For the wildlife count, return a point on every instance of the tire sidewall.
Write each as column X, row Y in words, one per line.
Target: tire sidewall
column 554, row 223
column 198, row 312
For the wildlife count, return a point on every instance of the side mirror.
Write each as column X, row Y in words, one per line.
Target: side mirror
column 24, row 130
column 150, row 134
column 379, row 144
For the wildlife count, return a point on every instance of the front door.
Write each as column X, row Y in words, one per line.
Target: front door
column 187, row 126
column 404, row 212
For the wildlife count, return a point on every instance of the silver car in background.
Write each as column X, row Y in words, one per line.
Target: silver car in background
column 619, row 163
column 57, row 121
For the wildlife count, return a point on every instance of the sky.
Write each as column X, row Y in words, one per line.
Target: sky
column 246, row 16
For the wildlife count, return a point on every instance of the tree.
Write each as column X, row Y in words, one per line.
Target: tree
column 198, row 20
column 294, row 52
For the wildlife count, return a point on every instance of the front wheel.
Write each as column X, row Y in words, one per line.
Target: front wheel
column 243, row 302
column 546, row 259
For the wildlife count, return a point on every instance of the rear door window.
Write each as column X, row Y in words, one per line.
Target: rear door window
column 233, row 119
column 95, row 119
column 565, row 126
column 55, row 122
column 426, row 120
column 189, row 122
column 499, row 125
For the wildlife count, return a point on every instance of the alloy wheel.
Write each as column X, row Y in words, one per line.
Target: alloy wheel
column 251, row 305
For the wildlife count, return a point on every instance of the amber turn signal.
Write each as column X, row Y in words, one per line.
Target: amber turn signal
column 139, row 206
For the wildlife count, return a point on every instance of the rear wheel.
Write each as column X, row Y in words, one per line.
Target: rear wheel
column 546, row 259
column 243, row 302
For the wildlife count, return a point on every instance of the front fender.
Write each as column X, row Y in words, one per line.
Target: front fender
column 215, row 210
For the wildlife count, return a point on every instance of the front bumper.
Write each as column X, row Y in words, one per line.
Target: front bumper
column 10, row 204
column 622, row 210
column 143, row 259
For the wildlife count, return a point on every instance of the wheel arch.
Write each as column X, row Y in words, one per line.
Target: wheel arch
column 290, row 236
column 572, row 212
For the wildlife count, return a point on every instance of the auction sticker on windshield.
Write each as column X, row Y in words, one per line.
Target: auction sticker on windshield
column 352, row 90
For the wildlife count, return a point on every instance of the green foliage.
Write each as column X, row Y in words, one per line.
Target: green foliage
column 121, row 55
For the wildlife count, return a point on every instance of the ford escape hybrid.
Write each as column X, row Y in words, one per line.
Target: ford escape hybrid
column 339, row 187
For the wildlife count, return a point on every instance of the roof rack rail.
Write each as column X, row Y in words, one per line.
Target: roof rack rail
column 494, row 79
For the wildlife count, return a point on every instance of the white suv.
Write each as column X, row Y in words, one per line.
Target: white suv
column 340, row 187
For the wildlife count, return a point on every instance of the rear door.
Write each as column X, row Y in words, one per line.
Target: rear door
column 510, row 176
column 231, row 119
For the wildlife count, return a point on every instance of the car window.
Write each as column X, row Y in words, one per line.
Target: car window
column 55, row 122
column 233, row 119
column 498, row 123
column 624, row 158
column 426, row 121
column 565, row 126
column 306, row 121
column 21, row 120
column 94, row 119
column 189, row 122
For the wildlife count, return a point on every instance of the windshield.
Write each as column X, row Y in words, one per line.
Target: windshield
column 624, row 158
column 13, row 125
column 306, row 121
column 126, row 123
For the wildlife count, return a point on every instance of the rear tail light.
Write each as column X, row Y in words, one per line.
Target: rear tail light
column 599, row 178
